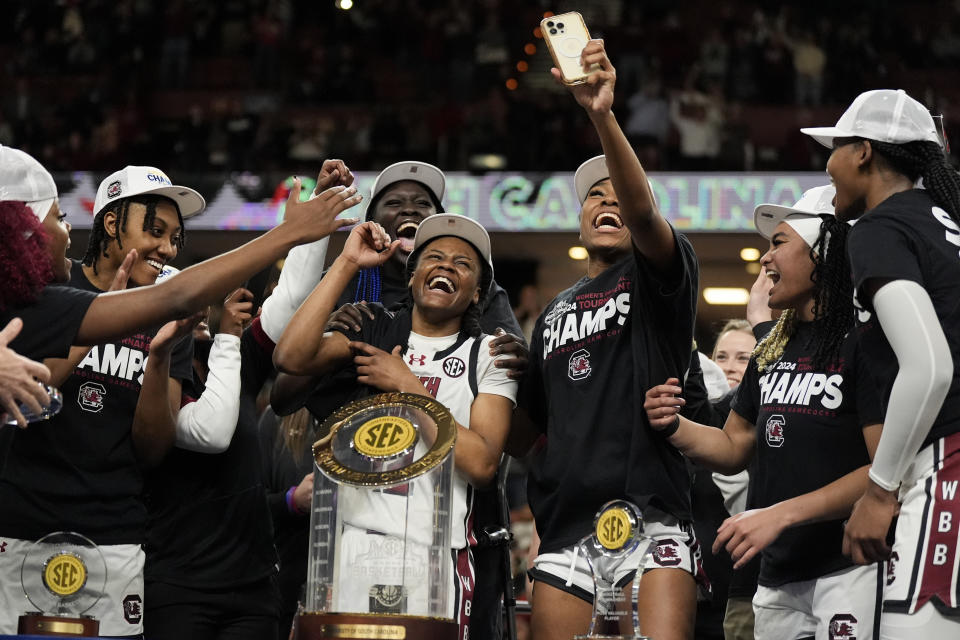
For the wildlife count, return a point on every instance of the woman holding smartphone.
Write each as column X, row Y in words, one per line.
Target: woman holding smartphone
column 596, row 349
column 905, row 257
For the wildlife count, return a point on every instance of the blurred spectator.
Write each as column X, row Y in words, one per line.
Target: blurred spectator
column 698, row 118
column 809, row 61
column 433, row 69
column 648, row 124
column 175, row 50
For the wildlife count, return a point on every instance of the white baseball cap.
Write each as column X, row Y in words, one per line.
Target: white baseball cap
column 452, row 224
column 135, row 181
column 588, row 174
column 23, row 179
column 804, row 217
column 884, row 115
column 427, row 174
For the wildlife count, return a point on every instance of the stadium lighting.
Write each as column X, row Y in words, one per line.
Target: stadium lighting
column 577, row 253
column 726, row 295
column 749, row 254
column 346, row 5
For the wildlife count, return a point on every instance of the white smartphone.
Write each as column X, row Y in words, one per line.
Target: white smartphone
column 566, row 35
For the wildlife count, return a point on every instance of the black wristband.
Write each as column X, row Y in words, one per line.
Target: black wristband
column 672, row 429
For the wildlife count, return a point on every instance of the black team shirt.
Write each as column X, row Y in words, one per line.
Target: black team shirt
column 209, row 525
column 78, row 471
column 595, row 351
column 809, row 428
column 908, row 237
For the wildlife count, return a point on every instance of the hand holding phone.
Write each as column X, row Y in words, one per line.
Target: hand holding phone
column 566, row 35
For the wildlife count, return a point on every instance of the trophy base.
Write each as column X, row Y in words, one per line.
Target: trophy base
column 39, row 624
column 361, row 626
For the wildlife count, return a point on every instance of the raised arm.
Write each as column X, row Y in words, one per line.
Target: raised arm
column 304, row 348
column 117, row 314
column 207, row 425
column 726, row 450
column 650, row 232
column 154, row 428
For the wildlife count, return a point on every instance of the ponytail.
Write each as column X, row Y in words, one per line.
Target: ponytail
column 924, row 159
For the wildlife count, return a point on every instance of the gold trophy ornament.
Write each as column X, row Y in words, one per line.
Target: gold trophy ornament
column 615, row 551
column 63, row 575
column 379, row 564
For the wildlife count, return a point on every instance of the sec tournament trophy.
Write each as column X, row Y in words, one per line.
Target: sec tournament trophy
column 380, row 563
column 63, row 575
column 615, row 552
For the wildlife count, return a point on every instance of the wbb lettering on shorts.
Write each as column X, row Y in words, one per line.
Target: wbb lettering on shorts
column 948, row 492
column 589, row 315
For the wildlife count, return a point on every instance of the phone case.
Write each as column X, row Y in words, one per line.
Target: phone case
column 566, row 35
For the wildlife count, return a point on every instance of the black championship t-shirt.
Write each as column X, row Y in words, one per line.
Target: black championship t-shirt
column 596, row 349
column 809, row 433
column 78, row 471
column 51, row 323
column 908, row 237
column 209, row 525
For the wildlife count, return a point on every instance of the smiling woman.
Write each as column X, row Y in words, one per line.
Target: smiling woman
column 411, row 349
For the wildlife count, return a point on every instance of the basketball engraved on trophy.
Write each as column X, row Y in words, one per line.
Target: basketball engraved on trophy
column 63, row 575
column 615, row 552
column 380, row 526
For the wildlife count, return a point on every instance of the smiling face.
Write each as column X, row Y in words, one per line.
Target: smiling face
column 844, row 166
column 732, row 353
column 58, row 242
column 400, row 209
column 447, row 277
column 788, row 264
column 601, row 227
column 156, row 245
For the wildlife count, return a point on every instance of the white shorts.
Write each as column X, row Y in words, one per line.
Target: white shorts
column 120, row 610
column 838, row 606
column 676, row 548
column 925, row 562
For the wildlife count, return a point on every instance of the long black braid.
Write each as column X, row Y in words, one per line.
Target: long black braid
column 832, row 292
column 924, row 159
column 99, row 238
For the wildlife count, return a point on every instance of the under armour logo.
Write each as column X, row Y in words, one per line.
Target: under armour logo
column 418, row 360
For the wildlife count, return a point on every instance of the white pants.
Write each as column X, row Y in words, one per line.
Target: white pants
column 838, row 606
column 119, row 610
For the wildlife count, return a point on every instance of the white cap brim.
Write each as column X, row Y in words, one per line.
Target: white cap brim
column 766, row 217
column 189, row 202
column 825, row 135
